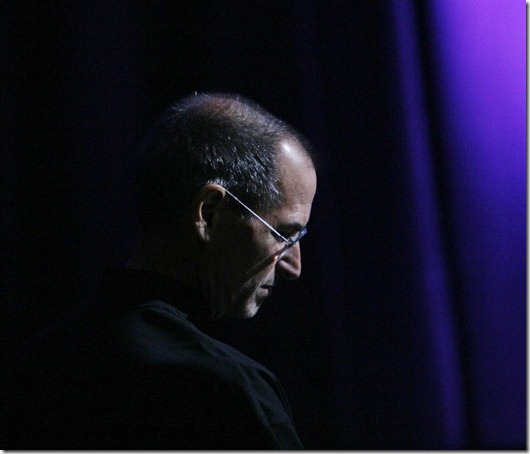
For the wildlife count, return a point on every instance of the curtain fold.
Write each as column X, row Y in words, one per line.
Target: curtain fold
column 407, row 327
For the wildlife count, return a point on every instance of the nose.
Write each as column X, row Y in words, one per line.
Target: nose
column 289, row 265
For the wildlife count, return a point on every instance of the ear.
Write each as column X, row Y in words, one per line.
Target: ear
column 206, row 205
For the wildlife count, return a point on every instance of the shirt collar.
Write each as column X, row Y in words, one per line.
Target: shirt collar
column 128, row 286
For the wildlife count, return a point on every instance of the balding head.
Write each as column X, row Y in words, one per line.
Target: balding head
column 210, row 138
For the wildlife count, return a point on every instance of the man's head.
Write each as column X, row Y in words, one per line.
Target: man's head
column 217, row 172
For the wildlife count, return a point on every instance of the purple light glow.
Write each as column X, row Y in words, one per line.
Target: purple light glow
column 480, row 50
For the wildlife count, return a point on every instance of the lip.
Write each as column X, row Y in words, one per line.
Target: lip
column 267, row 288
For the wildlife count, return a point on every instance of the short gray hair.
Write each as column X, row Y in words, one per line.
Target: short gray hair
column 210, row 138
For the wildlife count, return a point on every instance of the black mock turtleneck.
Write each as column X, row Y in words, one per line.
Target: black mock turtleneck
column 134, row 372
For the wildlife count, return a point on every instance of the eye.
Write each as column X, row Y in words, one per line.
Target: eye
column 276, row 236
column 290, row 235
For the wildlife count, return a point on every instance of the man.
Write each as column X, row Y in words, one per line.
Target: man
column 224, row 193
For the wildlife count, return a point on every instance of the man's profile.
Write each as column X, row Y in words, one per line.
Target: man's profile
column 224, row 194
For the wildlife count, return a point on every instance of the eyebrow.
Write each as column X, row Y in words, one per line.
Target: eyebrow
column 296, row 226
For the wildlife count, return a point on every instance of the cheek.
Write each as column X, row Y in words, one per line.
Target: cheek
column 246, row 254
column 261, row 263
column 256, row 249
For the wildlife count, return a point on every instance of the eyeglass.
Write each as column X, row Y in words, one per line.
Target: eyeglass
column 290, row 241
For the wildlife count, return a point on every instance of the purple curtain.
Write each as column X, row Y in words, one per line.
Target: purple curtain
column 407, row 329
column 478, row 53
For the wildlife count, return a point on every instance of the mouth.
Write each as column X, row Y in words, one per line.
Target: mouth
column 267, row 288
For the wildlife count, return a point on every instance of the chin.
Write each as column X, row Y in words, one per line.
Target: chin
column 251, row 310
column 246, row 303
column 245, row 310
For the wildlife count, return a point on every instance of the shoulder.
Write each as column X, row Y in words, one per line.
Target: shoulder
column 157, row 339
column 161, row 383
column 158, row 333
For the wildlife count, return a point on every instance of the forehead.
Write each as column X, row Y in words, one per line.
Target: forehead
column 297, row 180
column 296, row 173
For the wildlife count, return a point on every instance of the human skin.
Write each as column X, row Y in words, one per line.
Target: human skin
column 244, row 260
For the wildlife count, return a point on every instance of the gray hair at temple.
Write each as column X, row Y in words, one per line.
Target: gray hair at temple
column 210, row 138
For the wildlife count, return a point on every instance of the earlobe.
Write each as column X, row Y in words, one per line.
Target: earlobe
column 206, row 204
column 202, row 231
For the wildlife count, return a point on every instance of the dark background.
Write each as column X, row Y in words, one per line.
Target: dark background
column 407, row 329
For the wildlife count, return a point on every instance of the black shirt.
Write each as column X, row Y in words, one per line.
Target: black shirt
column 133, row 372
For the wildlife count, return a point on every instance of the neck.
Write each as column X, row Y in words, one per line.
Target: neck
column 160, row 254
column 173, row 257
